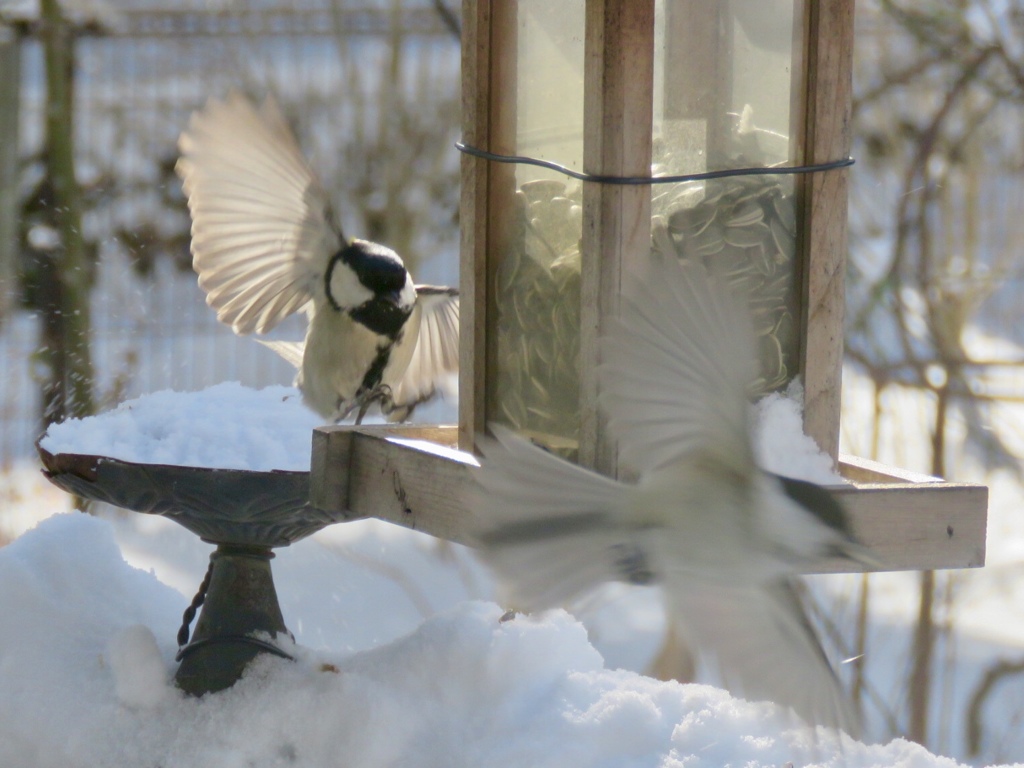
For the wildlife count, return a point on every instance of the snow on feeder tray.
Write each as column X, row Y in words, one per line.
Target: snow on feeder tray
column 206, row 460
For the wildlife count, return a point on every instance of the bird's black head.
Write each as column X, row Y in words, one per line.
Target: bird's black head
column 377, row 268
column 370, row 283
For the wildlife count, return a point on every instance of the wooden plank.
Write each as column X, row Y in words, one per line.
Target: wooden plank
column 910, row 526
column 917, row 527
column 444, row 435
column 331, row 462
column 502, row 216
column 489, row 108
column 473, row 216
column 829, row 135
column 329, row 469
column 618, row 113
column 411, row 488
column 866, row 471
column 404, row 485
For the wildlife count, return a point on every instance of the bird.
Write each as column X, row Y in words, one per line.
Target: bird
column 266, row 244
column 723, row 538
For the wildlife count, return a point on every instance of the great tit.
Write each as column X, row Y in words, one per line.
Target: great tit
column 266, row 244
column 723, row 538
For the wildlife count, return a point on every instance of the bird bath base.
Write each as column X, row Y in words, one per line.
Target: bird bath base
column 240, row 608
column 246, row 514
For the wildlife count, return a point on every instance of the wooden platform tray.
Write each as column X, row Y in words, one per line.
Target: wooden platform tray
column 912, row 521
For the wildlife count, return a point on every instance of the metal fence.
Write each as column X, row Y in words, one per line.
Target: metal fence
column 139, row 72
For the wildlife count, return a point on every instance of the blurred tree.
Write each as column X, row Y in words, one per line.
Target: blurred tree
column 66, row 278
column 10, row 65
column 938, row 115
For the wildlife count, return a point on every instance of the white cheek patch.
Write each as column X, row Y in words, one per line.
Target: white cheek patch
column 408, row 296
column 346, row 290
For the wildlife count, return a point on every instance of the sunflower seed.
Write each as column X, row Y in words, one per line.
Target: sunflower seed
column 691, row 222
column 747, row 236
column 784, row 241
column 745, row 214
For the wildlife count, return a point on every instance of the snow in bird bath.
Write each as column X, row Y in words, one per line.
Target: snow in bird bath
column 226, row 426
column 230, row 426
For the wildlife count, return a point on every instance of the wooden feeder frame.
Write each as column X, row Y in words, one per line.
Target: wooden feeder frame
column 912, row 521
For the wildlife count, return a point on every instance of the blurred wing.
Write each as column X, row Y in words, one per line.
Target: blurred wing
column 546, row 526
column 676, row 366
column 431, row 347
column 765, row 648
column 262, row 228
column 290, row 351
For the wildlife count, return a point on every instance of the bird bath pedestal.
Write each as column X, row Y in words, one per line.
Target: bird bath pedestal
column 245, row 514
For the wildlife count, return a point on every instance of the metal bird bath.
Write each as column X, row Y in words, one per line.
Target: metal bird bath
column 245, row 513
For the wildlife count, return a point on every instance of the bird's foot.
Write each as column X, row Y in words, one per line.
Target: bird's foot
column 363, row 400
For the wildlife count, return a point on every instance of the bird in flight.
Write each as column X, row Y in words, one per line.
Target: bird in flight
column 266, row 244
column 723, row 538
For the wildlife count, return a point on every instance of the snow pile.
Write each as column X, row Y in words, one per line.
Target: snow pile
column 137, row 666
column 227, row 426
column 780, row 443
column 86, row 663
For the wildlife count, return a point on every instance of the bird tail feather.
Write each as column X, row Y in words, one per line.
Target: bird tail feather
column 548, row 527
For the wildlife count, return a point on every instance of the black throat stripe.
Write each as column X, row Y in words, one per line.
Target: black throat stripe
column 376, row 370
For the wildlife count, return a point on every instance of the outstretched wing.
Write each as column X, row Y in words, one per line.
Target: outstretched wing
column 430, row 345
column 262, row 228
column 675, row 368
column 764, row 646
column 289, row 351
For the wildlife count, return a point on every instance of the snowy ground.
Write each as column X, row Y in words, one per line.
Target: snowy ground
column 87, row 684
column 401, row 659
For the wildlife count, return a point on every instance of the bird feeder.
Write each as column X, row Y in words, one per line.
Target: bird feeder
column 594, row 132
column 621, row 92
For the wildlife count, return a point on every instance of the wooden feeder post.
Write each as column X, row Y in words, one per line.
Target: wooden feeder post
column 639, row 88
